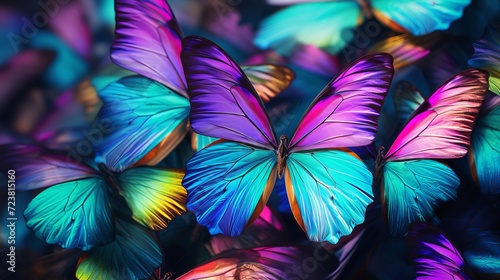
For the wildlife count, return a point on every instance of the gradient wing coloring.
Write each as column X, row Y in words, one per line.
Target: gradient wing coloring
column 328, row 192
column 155, row 196
column 140, row 119
column 148, row 42
column 228, row 184
column 487, row 55
column 37, row 167
column 419, row 17
column 441, row 127
column 269, row 80
column 234, row 111
column 413, row 189
column 74, row 214
column 134, row 254
column 433, row 255
column 345, row 113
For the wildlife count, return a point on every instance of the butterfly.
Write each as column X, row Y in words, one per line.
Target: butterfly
column 89, row 207
column 153, row 106
column 279, row 262
column 482, row 154
column 330, row 24
column 413, row 182
column 230, row 181
column 433, row 255
column 487, row 54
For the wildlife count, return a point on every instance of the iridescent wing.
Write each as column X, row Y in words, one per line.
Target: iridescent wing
column 433, row 255
column 345, row 113
column 74, row 214
column 155, row 196
column 328, row 192
column 442, row 125
column 140, row 122
column 224, row 103
column 486, row 56
column 134, row 254
column 418, row 17
column 228, row 184
column 148, row 42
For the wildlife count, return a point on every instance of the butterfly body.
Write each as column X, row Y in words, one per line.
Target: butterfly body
column 282, row 155
column 109, row 177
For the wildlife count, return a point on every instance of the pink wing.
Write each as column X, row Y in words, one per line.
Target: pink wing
column 441, row 126
column 148, row 42
column 345, row 113
column 224, row 103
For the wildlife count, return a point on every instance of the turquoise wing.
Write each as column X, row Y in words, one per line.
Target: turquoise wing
column 484, row 153
column 140, row 122
column 201, row 141
column 328, row 192
column 134, row 254
column 412, row 190
column 327, row 25
column 154, row 195
column 228, row 185
column 74, row 214
column 418, row 17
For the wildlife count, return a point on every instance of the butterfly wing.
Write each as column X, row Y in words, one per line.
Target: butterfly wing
column 405, row 48
column 140, row 122
column 412, row 190
column 267, row 229
column 154, row 195
column 486, row 56
column 134, row 254
column 484, row 153
column 224, row 103
column 148, row 42
column 325, row 25
column 37, row 167
column 328, row 192
column 433, row 255
column 269, row 80
column 228, row 184
column 418, row 17
column 73, row 214
column 407, row 99
column 442, row 125
column 346, row 111
column 265, row 263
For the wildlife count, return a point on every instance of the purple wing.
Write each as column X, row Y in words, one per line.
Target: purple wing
column 441, row 126
column 224, row 103
column 36, row 167
column 433, row 254
column 148, row 42
column 345, row 113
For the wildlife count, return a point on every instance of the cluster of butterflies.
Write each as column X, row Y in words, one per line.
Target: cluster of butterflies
column 188, row 151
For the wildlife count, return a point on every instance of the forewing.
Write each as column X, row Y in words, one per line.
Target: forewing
column 148, row 42
column 224, row 103
column 441, row 126
column 346, row 112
